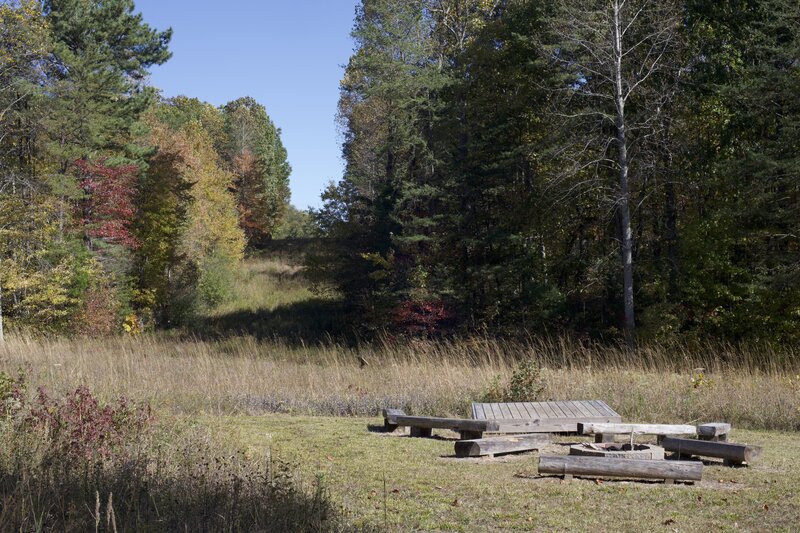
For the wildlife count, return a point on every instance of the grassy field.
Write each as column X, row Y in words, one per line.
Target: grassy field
column 428, row 489
column 267, row 371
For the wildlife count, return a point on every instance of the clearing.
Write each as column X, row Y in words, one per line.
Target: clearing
column 427, row 488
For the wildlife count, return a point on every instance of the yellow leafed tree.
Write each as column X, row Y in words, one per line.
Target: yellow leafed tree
column 212, row 218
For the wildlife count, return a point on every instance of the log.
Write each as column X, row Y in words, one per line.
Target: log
column 716, row 431
column 390, row 418
column 456, row 424
column 730, row 452
column 497, row 445
column 597, row 428
column 573, row 465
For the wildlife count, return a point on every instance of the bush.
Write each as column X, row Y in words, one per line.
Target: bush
column 216, row 281
column 524, row 385
column 76, row 464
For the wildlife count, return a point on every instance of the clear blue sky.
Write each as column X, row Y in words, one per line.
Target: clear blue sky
column 288, row 55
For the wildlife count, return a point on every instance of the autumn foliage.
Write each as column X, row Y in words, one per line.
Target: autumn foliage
column 426, row 318
column 108, row 209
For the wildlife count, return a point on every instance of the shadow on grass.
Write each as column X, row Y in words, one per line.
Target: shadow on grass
column 308, row 322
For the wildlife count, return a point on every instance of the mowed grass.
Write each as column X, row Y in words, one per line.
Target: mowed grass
column 428, row 489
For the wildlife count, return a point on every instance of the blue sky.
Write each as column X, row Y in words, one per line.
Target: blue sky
column 288, row 55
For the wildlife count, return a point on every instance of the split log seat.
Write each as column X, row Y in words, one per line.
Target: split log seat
column 498, row 445
column 730, row 453
column 422, row 426
column 606, row 432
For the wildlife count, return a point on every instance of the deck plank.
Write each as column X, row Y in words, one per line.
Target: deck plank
column 581, row 409
column 531, row 406
column 609, row 411
column 553, row 414
column 591, row 408
column 515, row 411
column 529, row 413
column 602, row 408
column 549, row 411
column 569, row 410
column 561, row 410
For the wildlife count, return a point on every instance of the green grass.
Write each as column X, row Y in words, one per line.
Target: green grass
column 428, row 489
column 270, row 299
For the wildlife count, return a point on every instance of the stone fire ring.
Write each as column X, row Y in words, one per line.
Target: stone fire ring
column 618, row 450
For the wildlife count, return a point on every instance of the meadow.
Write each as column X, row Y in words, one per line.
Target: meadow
column 252, row 378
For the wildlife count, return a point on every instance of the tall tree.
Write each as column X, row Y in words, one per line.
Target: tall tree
column 255, row 153
column 25, row 209
column 612, row 50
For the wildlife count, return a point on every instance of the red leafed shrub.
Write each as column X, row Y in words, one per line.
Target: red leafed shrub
column 81, row 426
column 422, row 318
column 109, row 209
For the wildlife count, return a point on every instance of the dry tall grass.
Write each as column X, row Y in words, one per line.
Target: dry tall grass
column 754, row 388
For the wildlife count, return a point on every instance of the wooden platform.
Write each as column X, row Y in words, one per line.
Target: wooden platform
column 555, row 417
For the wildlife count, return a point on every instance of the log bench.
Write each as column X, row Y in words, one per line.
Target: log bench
column 606, row 432
column 731, row 454
column 422, row 426
column 714, row 431
column 492, row 446
column 574, row 465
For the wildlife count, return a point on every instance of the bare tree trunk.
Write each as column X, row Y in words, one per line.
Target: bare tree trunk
column 623, row 202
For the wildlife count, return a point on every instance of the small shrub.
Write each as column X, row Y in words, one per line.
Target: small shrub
column 494, row 392
column 216, row 280
column 700, row 380
column 80, row 426
column 426, row 318
column 524, row 385
column 74, row 464
column 100, row 312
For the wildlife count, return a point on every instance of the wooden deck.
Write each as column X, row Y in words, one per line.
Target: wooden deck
column 562, row 416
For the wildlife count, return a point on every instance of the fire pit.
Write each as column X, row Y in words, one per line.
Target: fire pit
column 618, row 450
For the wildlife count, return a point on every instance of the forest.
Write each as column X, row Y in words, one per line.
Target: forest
column 602, row 169
column 120, row 210
column 606, row 169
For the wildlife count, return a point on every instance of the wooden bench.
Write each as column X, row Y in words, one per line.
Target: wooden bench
column 497, row 445
column 422, row 426
column 606, row 432
column 731, row 454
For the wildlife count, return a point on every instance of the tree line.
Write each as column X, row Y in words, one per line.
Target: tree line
column 611, row 168
column 119, row 209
